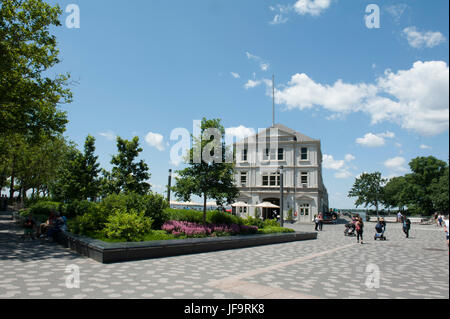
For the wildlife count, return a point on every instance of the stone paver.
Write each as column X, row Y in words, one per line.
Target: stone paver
column 333, row 266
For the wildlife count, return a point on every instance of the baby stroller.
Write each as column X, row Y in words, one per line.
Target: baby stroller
column 350, row 230
column 380, row 228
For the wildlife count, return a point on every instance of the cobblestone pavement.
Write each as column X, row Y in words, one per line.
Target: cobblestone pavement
column 333, row 266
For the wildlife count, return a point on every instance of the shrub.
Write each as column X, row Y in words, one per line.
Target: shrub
column 153, row 206
column 192, row 216
column 290, row 215
column 190, row 229
column 45, row 207
column 128, row 225
column 216, row 217
column 252, row 221
column 273, row 230
column 78, row 208
column 271, row 223
column 89, row 218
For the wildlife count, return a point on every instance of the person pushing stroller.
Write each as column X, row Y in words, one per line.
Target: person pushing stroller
column 350, row 228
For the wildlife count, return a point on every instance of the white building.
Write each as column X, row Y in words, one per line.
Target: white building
column 258, row 159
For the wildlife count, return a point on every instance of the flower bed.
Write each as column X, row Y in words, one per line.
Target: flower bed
column 190, row 229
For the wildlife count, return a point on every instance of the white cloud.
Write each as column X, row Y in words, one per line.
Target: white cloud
column 416, row 99
column 251, row 84
column 155, row 140
column 374, row 140
column 397, row 11
column 425, row 147
column 240, row 132
column 343, row 174
column 349, row 158
column 339, row 166
column 109, row 135
column 418, row 39
column 396, row 164
column 280, row 17
column 311, row 7
column 263, row 65
column 330, row 163
column 387, row 135
column 235, row 75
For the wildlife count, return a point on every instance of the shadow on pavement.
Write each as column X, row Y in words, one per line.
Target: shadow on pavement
column 12, row 247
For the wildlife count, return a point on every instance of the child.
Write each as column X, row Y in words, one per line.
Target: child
column 28, row 227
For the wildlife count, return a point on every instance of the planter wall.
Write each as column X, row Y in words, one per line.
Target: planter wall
column 117, row 252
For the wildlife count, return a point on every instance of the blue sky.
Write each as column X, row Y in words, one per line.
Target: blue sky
column 376, row 98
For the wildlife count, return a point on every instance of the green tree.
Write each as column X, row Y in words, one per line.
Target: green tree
column 208, row 175
column 78, row 177
column 128, row 175
column 29, row 94
column 91, row 170
column 368, row 190
column 397, row 192
column 426, row 171
column 440, row 192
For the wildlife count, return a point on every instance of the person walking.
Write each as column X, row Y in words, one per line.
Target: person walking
column 359, row 226
column 446, row 228
column 406, row 226
column 440, row 220
column 316, row 222
column 320, row 221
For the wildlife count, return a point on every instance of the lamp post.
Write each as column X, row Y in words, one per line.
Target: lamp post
column 169, row 185
column 281, row 196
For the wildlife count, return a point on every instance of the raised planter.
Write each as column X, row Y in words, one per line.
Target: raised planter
column 116, row 252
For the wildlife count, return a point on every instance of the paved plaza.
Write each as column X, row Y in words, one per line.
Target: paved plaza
column 331, row 267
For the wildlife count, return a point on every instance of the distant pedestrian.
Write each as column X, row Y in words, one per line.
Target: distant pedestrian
column 446, row 228
column 320, row 221
column 436, row 215
column 359, row 226
column 316, row 222
column 440, row 220
column 406, row 226
column 399, row 217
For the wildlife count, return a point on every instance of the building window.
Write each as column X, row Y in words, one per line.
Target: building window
column 269, row 154
column 304, row 179
column 304, row 209
column 265, row 180
column 242, row 210
column 243, row 179
column 304, row 154
column 271, row 179
column 280, row 154
column 244, row 155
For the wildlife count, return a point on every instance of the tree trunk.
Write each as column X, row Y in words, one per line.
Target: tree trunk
column 11, row 186
column 204, row 209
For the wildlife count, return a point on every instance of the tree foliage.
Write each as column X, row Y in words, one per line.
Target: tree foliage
column 78, row 177
column 128, row 175
column 29, row 95
column 368, row 189
column 211, row 177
